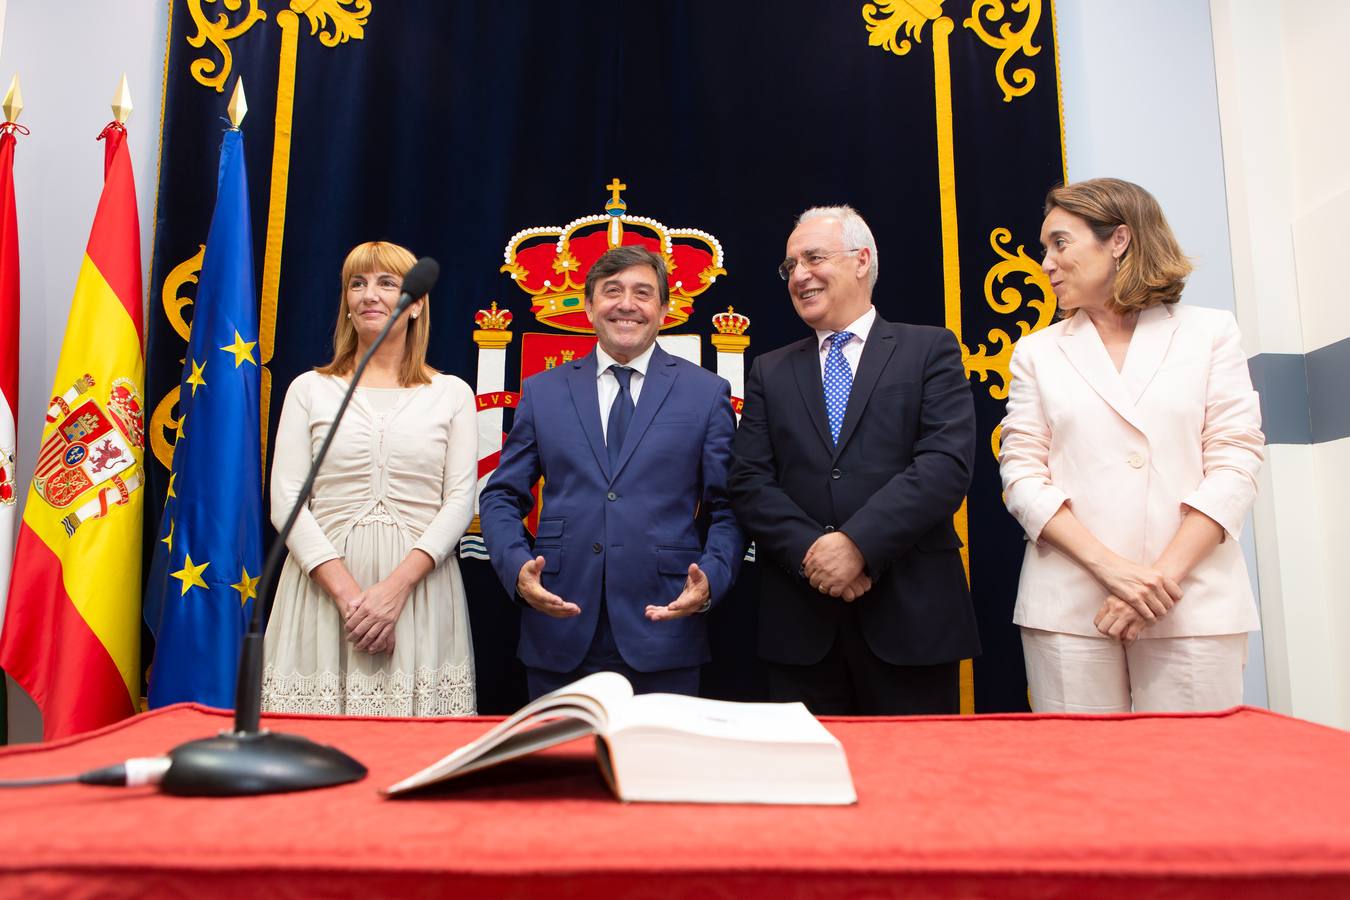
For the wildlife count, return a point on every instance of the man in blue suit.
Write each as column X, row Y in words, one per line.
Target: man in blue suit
column 636, row 537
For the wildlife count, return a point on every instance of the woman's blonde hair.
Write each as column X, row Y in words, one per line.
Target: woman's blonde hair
column 381, row 256
column 1152, row 269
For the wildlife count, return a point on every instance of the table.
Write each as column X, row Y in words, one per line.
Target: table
column 1243, row 803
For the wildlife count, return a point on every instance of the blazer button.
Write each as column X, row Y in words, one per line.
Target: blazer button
column 829, row 528
column 1136, row 461
column 836, row 474
column 597, row 547
column 611, row 496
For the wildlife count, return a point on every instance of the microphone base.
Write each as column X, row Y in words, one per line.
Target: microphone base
column 234, row 764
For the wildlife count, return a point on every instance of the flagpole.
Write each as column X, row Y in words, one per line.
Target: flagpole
column 9, row 359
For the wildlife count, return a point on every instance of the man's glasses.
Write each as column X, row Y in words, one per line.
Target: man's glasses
column 810, row 261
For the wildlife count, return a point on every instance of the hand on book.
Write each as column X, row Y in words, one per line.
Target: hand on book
column 531, row 589
column 692, row 599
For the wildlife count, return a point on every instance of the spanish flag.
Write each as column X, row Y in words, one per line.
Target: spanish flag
column 71, row 636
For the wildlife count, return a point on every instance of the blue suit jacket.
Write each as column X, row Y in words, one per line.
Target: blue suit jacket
column 631, row 532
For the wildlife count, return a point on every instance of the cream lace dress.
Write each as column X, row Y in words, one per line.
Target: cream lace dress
column 399, row 476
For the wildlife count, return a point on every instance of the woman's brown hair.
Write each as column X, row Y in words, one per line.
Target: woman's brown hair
column 381, row 256
column 1152, row 269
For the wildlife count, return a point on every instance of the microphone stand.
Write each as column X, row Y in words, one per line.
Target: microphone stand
column 252, row 761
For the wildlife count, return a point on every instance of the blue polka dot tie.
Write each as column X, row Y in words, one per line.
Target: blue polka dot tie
column 838, row 382
column 620, row 414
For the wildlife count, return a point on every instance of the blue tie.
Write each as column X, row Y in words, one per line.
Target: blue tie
column 620, row 414
column 838, row 382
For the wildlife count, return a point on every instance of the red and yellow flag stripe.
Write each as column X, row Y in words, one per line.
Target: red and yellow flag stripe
column 72, row 627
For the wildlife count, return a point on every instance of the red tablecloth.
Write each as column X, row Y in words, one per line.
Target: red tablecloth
column 1236, row 804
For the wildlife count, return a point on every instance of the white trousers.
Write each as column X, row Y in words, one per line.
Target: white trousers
column 1072, row 673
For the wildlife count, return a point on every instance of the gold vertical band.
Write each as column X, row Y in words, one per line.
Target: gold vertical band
column 962, row 522
column 289, row 23
column 946, row 159
column 951, row 268
column 1059, row 92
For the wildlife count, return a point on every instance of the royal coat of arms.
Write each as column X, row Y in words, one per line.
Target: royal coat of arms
column 549, row 264
column 91, row 445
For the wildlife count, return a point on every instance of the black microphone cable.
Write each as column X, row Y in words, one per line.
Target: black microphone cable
column 135, row 772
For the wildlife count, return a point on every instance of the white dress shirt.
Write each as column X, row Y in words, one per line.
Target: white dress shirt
column 607, row 385
column 860, row 328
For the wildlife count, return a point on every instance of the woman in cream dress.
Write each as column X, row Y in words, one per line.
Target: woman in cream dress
column 369, row 616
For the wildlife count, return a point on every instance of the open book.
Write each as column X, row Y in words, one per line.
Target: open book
column 669, row 748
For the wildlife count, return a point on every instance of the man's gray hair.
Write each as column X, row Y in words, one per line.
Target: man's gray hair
column 856, row 232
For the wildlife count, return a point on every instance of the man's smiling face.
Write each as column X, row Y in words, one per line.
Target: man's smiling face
column 829, row 282
column 626, row 312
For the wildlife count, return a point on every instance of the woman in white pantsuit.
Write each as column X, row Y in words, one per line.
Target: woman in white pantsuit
column 1129, row 456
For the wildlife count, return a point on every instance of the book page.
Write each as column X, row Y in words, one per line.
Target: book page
column 581, row 708
column 608, row 689
column 720, row 719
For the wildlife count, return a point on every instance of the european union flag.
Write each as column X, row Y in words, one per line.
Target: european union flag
column 204, row 577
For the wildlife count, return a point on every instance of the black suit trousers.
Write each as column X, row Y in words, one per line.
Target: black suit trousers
column 853, row 681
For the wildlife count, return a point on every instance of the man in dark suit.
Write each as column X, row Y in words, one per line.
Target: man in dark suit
column 854, row 450
column 636, row 537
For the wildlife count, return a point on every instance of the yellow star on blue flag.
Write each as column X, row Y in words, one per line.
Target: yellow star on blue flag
column 190, row 575
column 242, row 350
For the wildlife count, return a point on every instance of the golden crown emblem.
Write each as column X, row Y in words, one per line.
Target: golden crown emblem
column 493, row 319
column 731, row 322
column 550, row 263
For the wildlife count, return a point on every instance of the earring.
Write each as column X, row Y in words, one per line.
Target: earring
column 414, row 315
column 349, row 315
column 1117, row 263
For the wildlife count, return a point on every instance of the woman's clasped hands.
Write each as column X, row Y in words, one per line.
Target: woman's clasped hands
column 1137, row 597
column 371, row 615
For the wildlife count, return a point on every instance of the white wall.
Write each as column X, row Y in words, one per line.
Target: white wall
column 1281, row 77
column 1141, row 103
column 70, row 56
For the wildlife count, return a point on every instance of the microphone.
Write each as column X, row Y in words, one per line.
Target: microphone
column 247, row 760
column 417, row 283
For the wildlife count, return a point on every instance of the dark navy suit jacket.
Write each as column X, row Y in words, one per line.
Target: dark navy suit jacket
column 900, row 470
column 631, row 532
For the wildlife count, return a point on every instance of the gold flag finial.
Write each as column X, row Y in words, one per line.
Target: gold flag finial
column 238, row 105
column 121, row 102
column 13, row 105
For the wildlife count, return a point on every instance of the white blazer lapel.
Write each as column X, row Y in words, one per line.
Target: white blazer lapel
column 1087, row 354
column 1148, row 347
